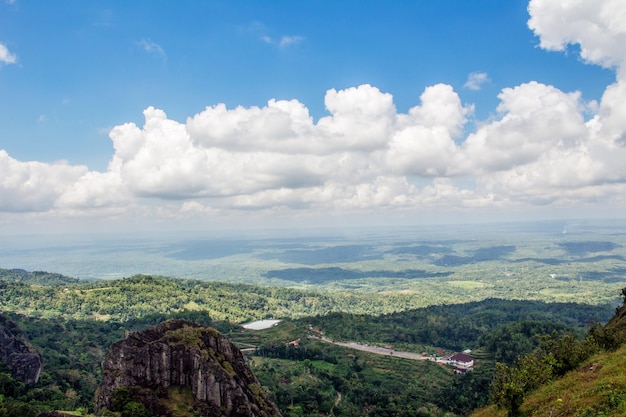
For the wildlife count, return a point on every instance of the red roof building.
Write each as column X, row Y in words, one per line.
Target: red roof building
column 461, row 361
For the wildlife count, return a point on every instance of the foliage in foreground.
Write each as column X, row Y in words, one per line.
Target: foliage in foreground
column 597, row 388
column 515, row 388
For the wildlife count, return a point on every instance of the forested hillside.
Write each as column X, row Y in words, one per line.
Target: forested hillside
column 566, row 376
column 455, row 327
column 36, row 277
column 73, row 323
column 129, row 298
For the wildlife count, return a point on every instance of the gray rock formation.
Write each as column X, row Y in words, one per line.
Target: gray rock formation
column 22, row 360
column 179, row 354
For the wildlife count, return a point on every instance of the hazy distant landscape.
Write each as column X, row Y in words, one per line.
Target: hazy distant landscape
column 551, row 261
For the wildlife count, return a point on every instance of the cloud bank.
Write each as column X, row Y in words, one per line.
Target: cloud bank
column 541, row 149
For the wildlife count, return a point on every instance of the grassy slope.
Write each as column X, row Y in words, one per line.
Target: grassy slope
column 598, row 388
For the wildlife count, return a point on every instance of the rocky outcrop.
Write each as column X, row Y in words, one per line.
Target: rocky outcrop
column 151, row 365
column 21, row 359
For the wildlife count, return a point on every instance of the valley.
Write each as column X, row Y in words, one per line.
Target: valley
column 351, row 312
column 419, row 266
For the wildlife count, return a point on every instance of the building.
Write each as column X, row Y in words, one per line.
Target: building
column 461, row 362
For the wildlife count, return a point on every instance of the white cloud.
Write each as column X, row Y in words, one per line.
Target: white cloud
column 95, row 190
column 423, row 142
column 475, row 80
column 34, row 186
column 152, row 48
column 6, row 57
column 286, row 41
column 543, row 147
column 599, row 27
column 362, row 156
column 534, row 119
column 105, row 18
column 361, row 119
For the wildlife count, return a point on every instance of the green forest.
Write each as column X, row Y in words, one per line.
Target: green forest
column 73, row 323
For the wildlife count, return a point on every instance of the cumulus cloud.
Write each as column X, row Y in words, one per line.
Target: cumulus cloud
column 34, row 186
column 6, row 57
column 95, row 190
column 423, row 141
column 475, row 80
column 541, row 147
column 361, row 118
column 534, row 118
column 598, row 27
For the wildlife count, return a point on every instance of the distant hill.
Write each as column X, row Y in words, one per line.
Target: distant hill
column 134, row 297
column 36, row 277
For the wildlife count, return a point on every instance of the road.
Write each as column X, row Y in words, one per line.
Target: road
column 376, row 350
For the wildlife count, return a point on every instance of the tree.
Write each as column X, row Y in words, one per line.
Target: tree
column 135, row 409
column 511, row 384
column 3, row 411
column 567, row 351
column 507, row 390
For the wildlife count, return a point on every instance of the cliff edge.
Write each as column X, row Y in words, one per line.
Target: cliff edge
column 21, row 359
column 179, row 360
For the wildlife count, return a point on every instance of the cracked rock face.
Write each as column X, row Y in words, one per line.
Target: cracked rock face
column 21, row 359
column 179, row 354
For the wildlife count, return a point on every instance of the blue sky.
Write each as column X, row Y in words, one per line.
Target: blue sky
column 341, row 139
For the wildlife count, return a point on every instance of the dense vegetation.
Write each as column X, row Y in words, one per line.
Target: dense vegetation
column 53, row 295
column 457, row 327
column 73, row 323
column 560, row 357
column 596, row 388
column 36, row 277
column 506, row 330
column 351, row 384
column 72, row 351
column 126, row 299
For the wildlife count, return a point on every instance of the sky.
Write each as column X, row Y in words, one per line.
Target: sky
column 198, row 115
